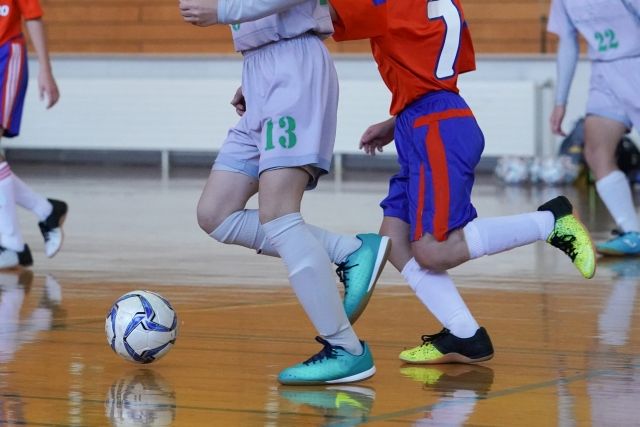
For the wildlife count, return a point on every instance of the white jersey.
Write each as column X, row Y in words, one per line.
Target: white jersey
column 311, row 16
column 611, row 27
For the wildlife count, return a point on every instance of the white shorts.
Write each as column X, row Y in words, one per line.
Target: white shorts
column 291, row 92
column 614, row 92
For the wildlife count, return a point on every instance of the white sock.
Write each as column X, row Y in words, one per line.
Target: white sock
column 440, row 295
column 29, row 199
column 488, row 236
column 615, row 192
column 10, row 236
column 312, row 279
column 243, row 228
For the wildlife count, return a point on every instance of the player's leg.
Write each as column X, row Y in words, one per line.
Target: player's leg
column 298, row 117
column 13, row 250
column 13, row 68
column 602, row 136
column 51, row 214
column 612, row 107
column 312, row 280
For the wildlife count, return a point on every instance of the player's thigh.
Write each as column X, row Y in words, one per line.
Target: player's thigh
column 224, row 193
column 281, row 191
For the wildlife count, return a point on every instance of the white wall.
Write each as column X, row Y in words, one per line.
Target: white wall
column 183, row 103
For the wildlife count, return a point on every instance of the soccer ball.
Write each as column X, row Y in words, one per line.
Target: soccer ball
column 141, row 326
column 512, row 170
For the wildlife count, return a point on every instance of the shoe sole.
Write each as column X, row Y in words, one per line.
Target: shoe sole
column 593, row 247
column 449, row 358
column 350, row 379
column 381, row 261
column 62, row 219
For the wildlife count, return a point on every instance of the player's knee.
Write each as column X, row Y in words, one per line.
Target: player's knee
column 208, row 220
column 432, row 257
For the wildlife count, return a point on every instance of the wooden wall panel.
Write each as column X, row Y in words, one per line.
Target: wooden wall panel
column 155, row 26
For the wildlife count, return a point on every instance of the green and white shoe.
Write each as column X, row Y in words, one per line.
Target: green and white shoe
column 361, row 271
column 332, row 365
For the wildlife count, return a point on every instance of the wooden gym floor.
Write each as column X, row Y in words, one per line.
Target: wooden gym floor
column 567, row 349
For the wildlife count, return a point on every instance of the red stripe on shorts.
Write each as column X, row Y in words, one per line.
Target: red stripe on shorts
column 440, row 174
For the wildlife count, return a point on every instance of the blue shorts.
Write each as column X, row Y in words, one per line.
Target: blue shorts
column 14, row 78
column 439, row 144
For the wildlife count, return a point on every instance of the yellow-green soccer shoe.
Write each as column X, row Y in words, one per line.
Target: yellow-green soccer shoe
column 444, row 347
column 571, row 236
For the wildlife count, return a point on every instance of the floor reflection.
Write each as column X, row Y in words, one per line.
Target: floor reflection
column 339, row 405
column 141, row 398
column 458, row 386
column 17, row 329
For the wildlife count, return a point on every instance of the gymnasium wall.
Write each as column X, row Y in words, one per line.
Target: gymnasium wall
column 155, row 26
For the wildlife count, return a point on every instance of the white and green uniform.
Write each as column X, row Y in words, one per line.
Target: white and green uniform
column 291, row 91
column 612, row 31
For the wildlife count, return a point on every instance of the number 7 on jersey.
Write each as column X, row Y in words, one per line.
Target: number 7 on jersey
column 449, row 13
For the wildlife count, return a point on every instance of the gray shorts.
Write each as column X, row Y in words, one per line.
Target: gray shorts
column 614, row 91
column 291, row 91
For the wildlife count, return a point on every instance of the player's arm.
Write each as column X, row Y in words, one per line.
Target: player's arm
column 566, row 59
column 210, row 12
column 46, row 83
column 377, row 136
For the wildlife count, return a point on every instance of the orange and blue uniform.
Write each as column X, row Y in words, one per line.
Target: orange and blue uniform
column 421, row 47
column 13, row 61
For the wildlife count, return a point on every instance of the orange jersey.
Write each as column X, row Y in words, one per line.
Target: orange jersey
column 420, row 46
column 11, row 14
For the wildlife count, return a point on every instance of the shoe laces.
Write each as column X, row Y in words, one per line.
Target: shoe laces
column 428, row 339
column 327, row 352
column 45, row 230
column 342, row 271
column 565, row 242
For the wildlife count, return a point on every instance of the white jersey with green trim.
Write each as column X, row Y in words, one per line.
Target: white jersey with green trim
column 311, row 16
column 610, row 27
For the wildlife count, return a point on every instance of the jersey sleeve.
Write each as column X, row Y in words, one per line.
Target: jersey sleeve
column 30, row 9
column 559, row 21
column 359, row 19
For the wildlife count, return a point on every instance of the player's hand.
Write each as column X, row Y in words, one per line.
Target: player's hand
column 48, row 89
column 556, row 120
column 199, row 12
column 377, row 136
column 238, row 102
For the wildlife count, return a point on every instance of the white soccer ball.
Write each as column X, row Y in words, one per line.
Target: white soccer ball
column 512, row 170
column 141, row 326
column 560, row 170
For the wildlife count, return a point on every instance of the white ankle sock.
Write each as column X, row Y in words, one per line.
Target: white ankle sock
column 440, row 295
column 29, row 199
column 10, row 235
column 488, row 236
column 243, row 228
column 312, row 279
column 615, row 192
